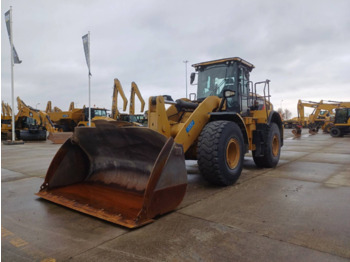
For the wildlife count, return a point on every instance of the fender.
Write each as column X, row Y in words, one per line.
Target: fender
column 234, row 117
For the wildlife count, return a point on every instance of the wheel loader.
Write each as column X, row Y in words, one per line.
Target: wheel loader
column 128, row 175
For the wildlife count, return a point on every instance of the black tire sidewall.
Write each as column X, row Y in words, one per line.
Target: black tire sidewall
column 271, row 160
column 211, row 154
column 335, row 132
column 268, row 160
column 231, row 131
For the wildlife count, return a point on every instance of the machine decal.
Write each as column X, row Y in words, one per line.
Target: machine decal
column 189, row 127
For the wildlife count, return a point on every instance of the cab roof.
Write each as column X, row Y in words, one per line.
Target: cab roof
column 224, row 60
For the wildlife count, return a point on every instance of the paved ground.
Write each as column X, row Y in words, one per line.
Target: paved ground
column 298, row 211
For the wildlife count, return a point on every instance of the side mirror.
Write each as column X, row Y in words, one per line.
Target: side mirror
column 192, row 77
column 229, row 93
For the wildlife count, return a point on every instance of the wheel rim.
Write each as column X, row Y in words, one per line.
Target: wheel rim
column 232, row 153
column 275, row 145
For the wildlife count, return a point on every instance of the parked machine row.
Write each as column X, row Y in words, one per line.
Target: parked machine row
column 322, row 117
column 33, row 124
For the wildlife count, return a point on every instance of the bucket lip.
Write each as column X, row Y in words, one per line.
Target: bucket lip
column 102, row 214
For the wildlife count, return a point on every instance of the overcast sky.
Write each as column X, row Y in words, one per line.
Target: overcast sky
column 303, row 47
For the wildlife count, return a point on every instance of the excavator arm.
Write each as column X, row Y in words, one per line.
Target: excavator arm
column 117, row 89
column 8, row 110
column 71, row 106
column 3, row 112
column 48, row 107
column 56, row 109
column 135, row 91
column 301, row 111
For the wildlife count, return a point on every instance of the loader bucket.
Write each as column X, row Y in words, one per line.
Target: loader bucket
column 125, row 175
column 59, row 137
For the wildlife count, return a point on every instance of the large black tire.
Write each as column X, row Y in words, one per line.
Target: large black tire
column 32, row 135
column 336, row 132
column 221, row 152
column 272, row 148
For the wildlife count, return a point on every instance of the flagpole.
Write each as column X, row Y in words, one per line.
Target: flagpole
column 12, row 80
column 89, row 84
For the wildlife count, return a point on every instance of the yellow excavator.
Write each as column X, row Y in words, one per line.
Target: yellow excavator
column 66, row 121
column 6, row 120
column 322, row 116
column 30, row 123
column 130, row 174
column 117, row 89
column 132, row 117
column 341, row 124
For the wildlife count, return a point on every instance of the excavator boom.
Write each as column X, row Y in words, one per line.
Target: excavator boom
column 117, row 89
column 135, row 91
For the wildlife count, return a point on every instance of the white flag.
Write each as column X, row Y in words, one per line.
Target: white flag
column 8, row 26
column 86, row 43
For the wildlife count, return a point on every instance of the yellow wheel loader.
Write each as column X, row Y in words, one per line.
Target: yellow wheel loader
column 130, row 174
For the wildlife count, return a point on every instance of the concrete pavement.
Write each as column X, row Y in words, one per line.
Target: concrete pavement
column 298, row 211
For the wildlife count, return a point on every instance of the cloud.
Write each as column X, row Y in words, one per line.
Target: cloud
column 302, row 46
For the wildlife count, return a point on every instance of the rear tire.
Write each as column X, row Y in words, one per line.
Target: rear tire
column 336, row 132
column 272, row 149
column 221, row 152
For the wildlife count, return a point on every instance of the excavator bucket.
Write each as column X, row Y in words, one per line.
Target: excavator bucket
column 123, row 174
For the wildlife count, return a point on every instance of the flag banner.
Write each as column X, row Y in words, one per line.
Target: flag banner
column 8, row 26
column 86, row 44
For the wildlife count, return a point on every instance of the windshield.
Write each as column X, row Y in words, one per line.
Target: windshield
column 213, row 79
column 100, row 112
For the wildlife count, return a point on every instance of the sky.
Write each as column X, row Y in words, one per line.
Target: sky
column 301, row 46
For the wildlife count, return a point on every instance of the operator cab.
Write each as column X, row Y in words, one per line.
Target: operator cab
column 101, row 112
column 215, row 77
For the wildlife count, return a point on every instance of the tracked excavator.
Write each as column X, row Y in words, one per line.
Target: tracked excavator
column 132, row 117
column 128, row 175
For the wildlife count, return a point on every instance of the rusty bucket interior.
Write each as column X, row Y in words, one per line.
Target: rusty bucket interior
column 59, row 137
column 123, row 174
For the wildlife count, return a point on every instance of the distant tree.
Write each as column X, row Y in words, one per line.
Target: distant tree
column 287, row 114
column 280, row 111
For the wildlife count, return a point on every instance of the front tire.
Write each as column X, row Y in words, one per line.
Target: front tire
column 221, row 152
column 336, row 132
column 272, row 149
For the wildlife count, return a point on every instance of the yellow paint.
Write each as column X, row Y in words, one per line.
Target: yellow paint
column 18, row 242
column 48, row 260
column 5, row 232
